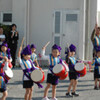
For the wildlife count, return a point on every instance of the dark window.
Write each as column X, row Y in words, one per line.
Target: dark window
column 57, row 22
column 7, row 17
column 71, row 17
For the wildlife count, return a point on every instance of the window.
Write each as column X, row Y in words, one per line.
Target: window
column 7, row 17
column 57, row 40
column 57, row 22
column 71, row 17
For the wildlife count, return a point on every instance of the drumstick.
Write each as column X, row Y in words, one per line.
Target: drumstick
column 20, row 49
column 68, row 47
column 22, row 42
column 46, row 44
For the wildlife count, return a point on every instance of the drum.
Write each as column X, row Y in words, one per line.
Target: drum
column 8, row 74
column 81, row 68
column 59, row 70
column 37, row 76
column 64, row 76
column 9, row 65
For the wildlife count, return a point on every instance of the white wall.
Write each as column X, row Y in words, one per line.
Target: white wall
column 19, row 17
column 98, row 12
column 41, row 20
column 37, row 20
column 92, row 22
column 5, row 5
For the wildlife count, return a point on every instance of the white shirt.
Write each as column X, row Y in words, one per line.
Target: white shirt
column 23, row 67
column 33, row 57
column 2, row 37
column 47, row 57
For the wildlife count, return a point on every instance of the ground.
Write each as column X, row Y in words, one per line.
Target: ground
column 85, row 88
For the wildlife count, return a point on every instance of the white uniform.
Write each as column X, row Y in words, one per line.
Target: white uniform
column 47, row 57
column 23, row 66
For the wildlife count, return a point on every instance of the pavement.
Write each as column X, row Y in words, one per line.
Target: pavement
column 84, row 88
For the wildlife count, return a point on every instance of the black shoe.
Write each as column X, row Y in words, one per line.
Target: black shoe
column 75, row 94
column 96, row 88
column 68, row 95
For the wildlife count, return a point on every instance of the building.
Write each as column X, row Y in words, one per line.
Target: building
column 59, row 21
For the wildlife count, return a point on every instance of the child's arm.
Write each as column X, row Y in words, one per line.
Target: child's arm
column 45, row 57
column 67, row 59
column 19, row 52
column 37, row 64
column 20, row 49
column 96, row 28
column 43, row 52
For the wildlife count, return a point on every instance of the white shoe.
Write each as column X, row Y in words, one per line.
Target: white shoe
column 54, row 99
column 46, row 98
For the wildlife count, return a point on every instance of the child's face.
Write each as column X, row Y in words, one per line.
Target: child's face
column 72, row 53
column 55, row 52
column 33, row 50
column 4, row 49
column 27, row 57
column 98, row 54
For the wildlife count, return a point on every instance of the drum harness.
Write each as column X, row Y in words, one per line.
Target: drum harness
column 51, row 66
column 30, row 70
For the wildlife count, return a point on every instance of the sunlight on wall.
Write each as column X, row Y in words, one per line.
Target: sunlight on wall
column 98, row 12
column 98, row 5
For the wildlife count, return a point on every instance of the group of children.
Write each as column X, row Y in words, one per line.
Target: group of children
column 28, row 59
column 28, row 62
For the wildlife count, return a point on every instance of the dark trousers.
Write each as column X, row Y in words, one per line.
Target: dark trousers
column 13, row 50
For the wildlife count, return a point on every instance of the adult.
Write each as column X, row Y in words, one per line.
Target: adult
column 13, row 40
column 2, row 36
column 95, row 38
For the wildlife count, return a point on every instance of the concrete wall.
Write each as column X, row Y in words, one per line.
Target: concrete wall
column 35, row 17
column 19, row 17
column 5, row 5
column 91, row 21
column 41, row 20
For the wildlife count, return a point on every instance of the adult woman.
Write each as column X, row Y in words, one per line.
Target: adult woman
column 13, row 39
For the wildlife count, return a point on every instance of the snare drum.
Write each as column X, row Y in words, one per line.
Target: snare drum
column 37, row 76
column 8, row 74
column 59, row 70
column 81, row 68
column 9, row 65
column 64, row 76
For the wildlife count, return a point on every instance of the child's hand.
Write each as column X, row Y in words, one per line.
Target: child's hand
column 93, row 61
column 5, row 58
column 89, row 62
column 9, row 61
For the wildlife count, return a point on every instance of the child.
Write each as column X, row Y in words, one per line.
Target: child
column 5, row 51
column 71, row 61
column 53, row 58
column 34, row 56
column 27, row 67
column 96, row 63
column 3, row 81
column 4, row 58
